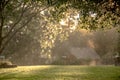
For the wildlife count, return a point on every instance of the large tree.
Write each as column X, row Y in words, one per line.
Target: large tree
column 16, row 14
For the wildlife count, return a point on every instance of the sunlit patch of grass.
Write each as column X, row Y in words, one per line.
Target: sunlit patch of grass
column 61, row 73
column 21, row 69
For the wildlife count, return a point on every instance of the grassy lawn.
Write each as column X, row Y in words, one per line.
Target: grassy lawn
column 51, row 72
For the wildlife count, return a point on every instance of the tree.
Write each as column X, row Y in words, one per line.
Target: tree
column 18, row 13
column 15, row 15
column 118, row 48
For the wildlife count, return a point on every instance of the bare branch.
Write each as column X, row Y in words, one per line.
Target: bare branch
column 20, row 18
column 6, row 2
column 7, row 41
column 10, row 36
column 14, row 25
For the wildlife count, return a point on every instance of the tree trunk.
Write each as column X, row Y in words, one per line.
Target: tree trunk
column 1, row 24
column 0, row 39
column 118, row 48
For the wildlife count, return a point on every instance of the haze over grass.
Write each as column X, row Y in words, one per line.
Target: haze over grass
column 61, row 73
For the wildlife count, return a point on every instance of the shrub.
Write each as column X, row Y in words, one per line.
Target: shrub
column 7, row 64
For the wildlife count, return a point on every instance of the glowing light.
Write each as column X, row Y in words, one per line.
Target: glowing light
column 49, row 56
column 73, row 28
column 42, row 12
column 62, row 22
column 71, row 21
column 77, row 16
column 93, row 15
column 10, row 22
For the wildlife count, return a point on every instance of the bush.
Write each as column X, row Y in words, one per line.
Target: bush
column 7, row 64
column 117, row 61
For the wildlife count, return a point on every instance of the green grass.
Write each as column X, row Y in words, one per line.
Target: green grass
column 52, row 72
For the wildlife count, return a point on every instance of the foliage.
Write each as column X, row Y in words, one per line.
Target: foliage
column 45, row 17
column 15, row 15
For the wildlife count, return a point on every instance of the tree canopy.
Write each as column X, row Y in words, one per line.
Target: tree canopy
column 54, row 18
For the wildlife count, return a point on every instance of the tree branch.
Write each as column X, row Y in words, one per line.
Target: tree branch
column 6, row 2
column 10, row 36
column 7, row 41
column 14, row 25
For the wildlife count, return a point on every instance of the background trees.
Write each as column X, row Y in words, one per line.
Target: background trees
column 15, row 15
column 42, row 24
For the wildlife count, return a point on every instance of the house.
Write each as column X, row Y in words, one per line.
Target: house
column 77, row 56
column 85, row 56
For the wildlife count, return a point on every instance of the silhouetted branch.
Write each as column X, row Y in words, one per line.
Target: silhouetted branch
column 11, row 34
column 7, row 41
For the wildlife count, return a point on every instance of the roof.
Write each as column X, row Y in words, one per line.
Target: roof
column 84, row 53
